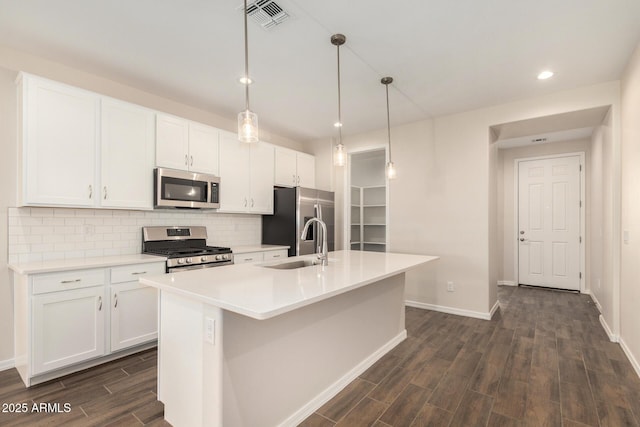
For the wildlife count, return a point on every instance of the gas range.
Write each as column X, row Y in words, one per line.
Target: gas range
column 184, row 247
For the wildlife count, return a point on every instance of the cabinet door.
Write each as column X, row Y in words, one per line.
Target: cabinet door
column 59, row 136
column 285, row 168
column 262, row 162
column 127, row 153
column 203, row 149
column 234, row 174
column 172, row 142
column 68, row 327
column 306, row 167
column 134, row 315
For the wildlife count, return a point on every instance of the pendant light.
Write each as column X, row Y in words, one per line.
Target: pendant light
column 340, row 154
column 391, row 168
column 247, row 120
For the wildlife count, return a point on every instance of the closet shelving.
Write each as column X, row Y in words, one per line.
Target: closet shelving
column 368, row 218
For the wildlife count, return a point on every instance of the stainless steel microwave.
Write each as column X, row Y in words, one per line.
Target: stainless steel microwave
column 181, row 189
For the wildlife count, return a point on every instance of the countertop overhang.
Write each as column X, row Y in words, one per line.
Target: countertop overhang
column 262, row 293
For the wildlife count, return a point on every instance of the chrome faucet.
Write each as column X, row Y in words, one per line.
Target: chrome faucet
column 321, row 251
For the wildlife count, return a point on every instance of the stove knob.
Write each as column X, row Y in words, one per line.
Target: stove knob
column 188, row 260
column 203, row 259
column 218, row 257
column 225, row 256
column 181, row 261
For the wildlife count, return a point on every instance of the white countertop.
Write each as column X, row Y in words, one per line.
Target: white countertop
column 83, row 263
column 256, row 248
column 262, row 293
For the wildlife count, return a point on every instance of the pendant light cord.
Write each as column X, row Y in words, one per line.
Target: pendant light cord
column 246, row 57
column 339, row 100
column 388, row 121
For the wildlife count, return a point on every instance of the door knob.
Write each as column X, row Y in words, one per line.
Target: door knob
column 521, row 231
column 522, row 239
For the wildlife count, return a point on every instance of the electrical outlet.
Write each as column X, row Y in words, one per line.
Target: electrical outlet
column 450, row 287
column 209, row 330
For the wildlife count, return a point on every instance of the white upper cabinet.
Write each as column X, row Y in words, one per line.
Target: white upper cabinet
column 127, row 146
column 306, row 167
column 293, row 168
column 81, row 149
column 246, row 175
column 172, row 142
column 59, row 139
column 185, row 145
column 203, row 148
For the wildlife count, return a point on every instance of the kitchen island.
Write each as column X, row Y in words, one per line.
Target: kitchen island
column 252, row 345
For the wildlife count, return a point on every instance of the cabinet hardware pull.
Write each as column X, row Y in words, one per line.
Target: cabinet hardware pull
column 138, row 272
column 294, row 178
column 186, row 160
column 71, row 281
column 276, row 256
column 90, row 191
column 100, row 303
column 115, row 296
column 105, row 192
column 191, row 160
column 245, row 202
column 251, row 202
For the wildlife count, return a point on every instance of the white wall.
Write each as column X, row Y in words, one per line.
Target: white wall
column 440, row 202
column 508, row 205
column 630, row 251
column 11, row 62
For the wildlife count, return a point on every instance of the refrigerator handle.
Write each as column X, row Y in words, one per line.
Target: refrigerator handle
column 318, row 214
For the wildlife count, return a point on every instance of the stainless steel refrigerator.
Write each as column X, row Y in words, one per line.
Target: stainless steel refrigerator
column 292, row 208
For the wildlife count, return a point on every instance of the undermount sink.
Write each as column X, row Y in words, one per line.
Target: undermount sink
column 290, row 265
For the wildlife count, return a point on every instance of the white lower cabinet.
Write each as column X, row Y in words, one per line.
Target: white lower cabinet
column 134, row 315
column 248, row 257
column 134, row 307
column 68, row 327
column 258, row 256
column 65, row 321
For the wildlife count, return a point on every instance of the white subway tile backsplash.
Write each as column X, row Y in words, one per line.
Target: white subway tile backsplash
column 41, row 234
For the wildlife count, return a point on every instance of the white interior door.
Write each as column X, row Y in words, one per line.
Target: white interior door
column 549, row 222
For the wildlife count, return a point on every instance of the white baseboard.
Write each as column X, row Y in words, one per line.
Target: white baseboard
column 7, row 364
column 300, row 415
column 452, row 310
column 632, row 359
column 494, row 309
column 607, row 330
column 507, row 283
column 596, row 302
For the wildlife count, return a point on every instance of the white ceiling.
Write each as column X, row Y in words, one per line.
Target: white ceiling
column 445, row 56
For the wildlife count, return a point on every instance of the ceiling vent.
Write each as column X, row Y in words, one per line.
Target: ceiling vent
column 267, row 13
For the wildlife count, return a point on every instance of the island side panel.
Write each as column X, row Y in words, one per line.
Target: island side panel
column 278, row 371
column 181, row 359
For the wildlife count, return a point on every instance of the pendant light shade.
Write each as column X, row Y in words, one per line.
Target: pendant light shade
column 247, row 120
column 340, row 153
column 248, row 126
column 391, row 167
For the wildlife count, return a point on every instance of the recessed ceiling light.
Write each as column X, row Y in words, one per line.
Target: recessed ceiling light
column 545, row 75
column 245, row 80
column 337, row 124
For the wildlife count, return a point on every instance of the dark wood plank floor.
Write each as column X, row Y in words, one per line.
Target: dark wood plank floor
column 118, row 393
column 543, row 360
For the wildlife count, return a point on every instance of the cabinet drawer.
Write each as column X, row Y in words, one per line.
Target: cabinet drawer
column 247, row 257
column 130, row 273
column 279, row 254
column 53, row 282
